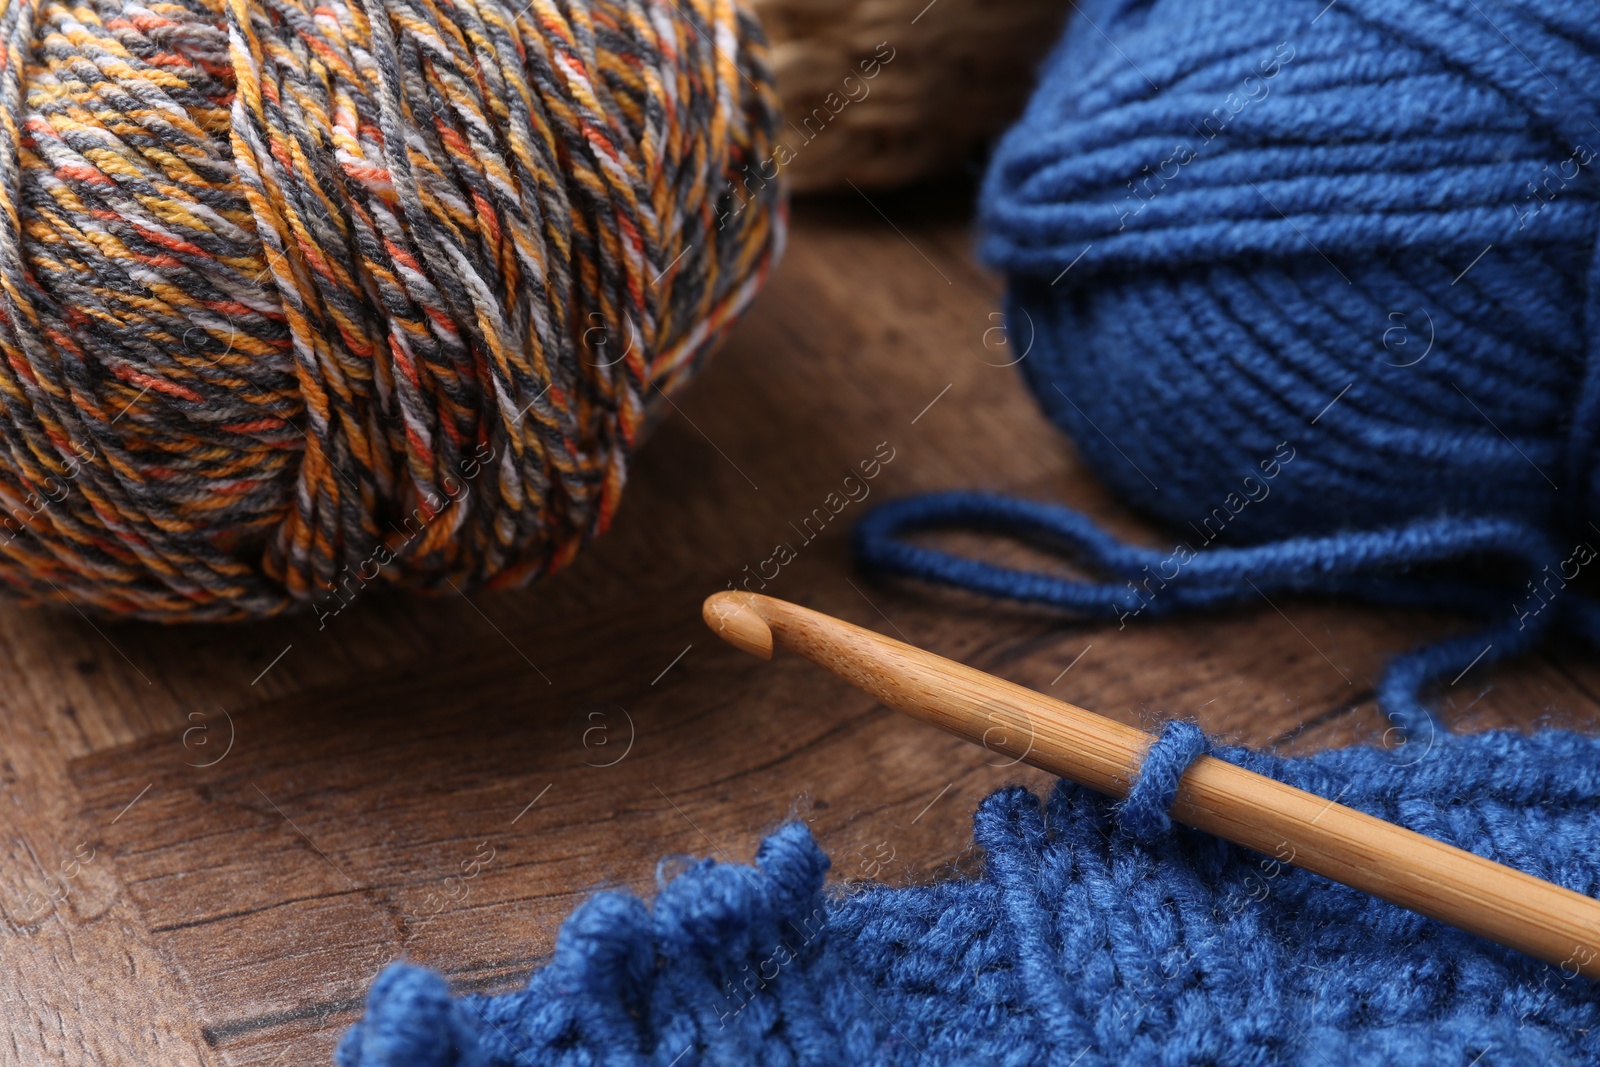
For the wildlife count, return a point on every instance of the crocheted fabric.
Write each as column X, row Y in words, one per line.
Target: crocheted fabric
column 1098, row 934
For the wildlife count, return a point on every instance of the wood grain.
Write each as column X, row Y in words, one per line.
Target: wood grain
column 560, row 739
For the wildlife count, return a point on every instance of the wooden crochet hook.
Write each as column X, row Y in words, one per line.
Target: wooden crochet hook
column 1406, row 868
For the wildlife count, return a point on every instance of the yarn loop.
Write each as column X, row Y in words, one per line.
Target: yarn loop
column 1145, row 811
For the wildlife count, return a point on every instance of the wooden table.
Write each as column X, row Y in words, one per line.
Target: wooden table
column 216, row 837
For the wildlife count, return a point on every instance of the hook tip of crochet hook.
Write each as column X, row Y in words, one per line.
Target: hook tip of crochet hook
column 737, row 621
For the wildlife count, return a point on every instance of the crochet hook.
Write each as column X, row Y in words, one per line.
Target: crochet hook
column 1406, row 868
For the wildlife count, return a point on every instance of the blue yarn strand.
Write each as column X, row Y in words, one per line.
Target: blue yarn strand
column 1379, row 566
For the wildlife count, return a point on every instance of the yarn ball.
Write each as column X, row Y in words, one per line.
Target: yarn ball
column 297, row 298
column 1317, row 278
column 1098, row 935
column 1279, row 222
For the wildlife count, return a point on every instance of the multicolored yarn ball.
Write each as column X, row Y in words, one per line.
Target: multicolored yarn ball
column 300, row 297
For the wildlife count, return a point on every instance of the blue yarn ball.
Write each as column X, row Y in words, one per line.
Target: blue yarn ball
column 1315, row 285
column 1268, row 206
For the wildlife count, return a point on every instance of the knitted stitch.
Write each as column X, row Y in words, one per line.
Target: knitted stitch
column 1320, row 279
column 1079, row 944
column 302, row 295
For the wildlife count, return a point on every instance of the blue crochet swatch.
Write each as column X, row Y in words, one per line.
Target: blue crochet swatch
column 1098, row 935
